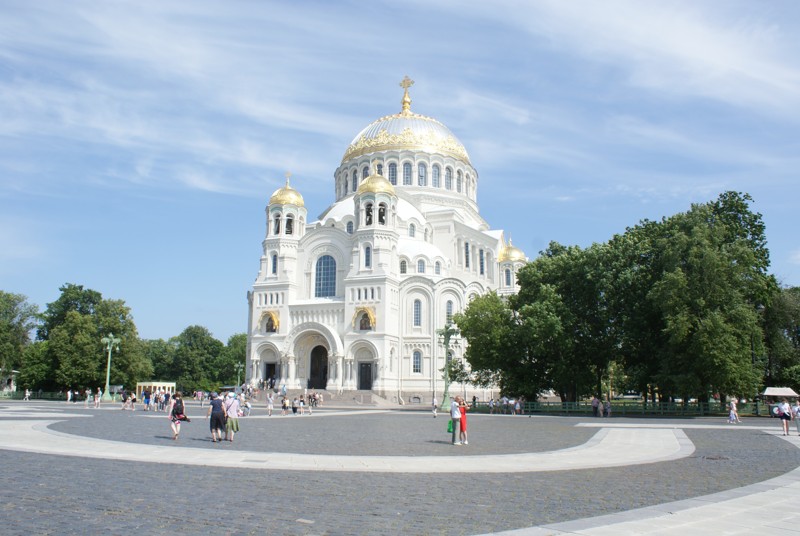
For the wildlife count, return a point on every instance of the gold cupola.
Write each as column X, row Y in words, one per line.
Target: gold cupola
column 287, row 195
column 375, row 184
column 511, row 253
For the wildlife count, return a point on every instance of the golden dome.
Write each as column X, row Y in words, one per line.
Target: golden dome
column 510, row 253
column 287, row 195
column 406, row 130
column 376, row 184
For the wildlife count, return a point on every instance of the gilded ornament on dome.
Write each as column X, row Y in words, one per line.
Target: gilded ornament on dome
column 407, row 139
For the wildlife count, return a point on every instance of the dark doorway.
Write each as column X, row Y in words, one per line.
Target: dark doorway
column 270, row 370
column 318, row 375
column 365, row 376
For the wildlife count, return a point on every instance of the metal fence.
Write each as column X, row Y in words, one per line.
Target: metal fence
column 634, row 408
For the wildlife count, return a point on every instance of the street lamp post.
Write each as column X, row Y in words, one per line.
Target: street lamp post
column 238, row 367
column 110, row 342
column 446, row 333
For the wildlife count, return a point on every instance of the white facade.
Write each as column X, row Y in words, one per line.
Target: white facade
column 353, row 301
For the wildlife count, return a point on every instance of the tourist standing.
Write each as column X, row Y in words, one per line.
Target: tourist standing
column 796, row 414
column 463, row 407
column 216, row 413
column 97, row 398
column 595, row 406
column 434, row 406
column 455, row 416
column 232, row 416
column 785, row 413
column 270, row 403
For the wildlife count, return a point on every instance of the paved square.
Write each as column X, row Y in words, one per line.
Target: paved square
column 347, row 471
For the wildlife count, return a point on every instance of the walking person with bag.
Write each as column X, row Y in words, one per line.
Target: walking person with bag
column 216, row 416
column 232, row 419
column 176, row 415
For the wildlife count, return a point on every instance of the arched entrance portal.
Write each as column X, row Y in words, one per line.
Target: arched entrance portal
column 318, row 375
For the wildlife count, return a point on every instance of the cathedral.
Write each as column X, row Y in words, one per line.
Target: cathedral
column 357, row 299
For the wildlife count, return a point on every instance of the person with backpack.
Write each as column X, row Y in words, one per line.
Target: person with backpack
column 785, row 413
column 176, row 415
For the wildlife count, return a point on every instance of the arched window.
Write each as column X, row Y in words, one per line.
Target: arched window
column 349, row 227
column 481, row 262
column 448, row 179
column 382, row 214
column 289, row 225
column 437, row 268
column 345, row 186
column 508, row 277
column 368, row 214
column 417, row 362
column 403, row 266
column 458, row 183
column 448, row 317
column 466, row 254
column 407, row 174
column 422, row 174
column 355, row 181
column 380, row 169
column 435, row 172
column 393, row 173
column 276, row 229
column 420, row 267
column 417, row 313
column 367, row 257
column 364, row 173
column 270, row 327
column 274, row 264
column 325, row 284
column 412, row 230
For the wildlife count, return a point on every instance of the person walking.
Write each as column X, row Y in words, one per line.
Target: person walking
column 270, row 404
column 785, row 413
column 97, row 398
column 434, row 406
column 232, row 420
column 176, row 415
column 455, row 416
column 27, row 396
column 796, row 414
column 216, row 416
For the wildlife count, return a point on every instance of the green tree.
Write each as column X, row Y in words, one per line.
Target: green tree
column 72, row 298
column 782, row 337
column 74, row 345
column 196, row 359
column 232, row 356
column 37, row 369
column 161, row 354
column 17, row 319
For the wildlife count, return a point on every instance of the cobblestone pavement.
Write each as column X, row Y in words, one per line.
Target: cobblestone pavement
column 45, row 494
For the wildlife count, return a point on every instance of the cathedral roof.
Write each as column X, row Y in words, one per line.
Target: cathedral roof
column 286, row 196
column 510, row 253
column 406, row 130
column 376, row 184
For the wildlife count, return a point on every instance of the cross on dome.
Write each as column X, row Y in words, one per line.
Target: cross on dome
column 406, row 102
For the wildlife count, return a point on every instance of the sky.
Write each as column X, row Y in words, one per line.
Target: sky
column 140, row 141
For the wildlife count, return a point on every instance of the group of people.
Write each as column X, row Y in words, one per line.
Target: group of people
column 600, row 408
column 789, row 413
column 507, row 406
column 458, row 416
column 223, row 415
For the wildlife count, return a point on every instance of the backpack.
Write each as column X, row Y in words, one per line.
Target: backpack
column 177, row 409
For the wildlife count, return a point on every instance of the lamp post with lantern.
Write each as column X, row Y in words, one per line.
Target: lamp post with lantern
column 110, row 342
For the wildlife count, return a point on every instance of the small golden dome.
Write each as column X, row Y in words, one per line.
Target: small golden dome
column 376, row 184
column 287, row 195
column 510, row 253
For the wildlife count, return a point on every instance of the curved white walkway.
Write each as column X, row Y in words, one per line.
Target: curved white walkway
column 608, row 448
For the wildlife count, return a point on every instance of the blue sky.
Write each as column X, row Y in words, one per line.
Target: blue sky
column 140, row 141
